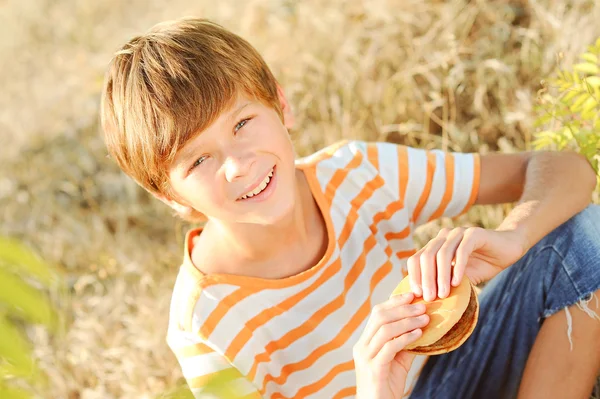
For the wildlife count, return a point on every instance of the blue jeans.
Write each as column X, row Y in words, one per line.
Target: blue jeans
column 561, row 270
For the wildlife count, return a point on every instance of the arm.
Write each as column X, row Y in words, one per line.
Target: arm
column 548, row 188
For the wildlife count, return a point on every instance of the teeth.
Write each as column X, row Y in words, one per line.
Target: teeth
column 260, row 187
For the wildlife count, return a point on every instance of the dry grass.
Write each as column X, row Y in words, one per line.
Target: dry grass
column 459, row 75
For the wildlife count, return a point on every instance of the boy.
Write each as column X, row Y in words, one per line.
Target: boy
column 284, row 291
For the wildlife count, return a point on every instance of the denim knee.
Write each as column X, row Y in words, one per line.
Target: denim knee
column 577, row 269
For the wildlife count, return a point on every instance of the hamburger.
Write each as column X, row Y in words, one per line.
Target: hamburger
column 451, row 319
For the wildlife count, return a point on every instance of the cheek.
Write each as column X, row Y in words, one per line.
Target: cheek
column 202, row 192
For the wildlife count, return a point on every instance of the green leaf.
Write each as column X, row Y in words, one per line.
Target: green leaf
column 588, row 110
column 14, row 254
column 593, row 81
column 543, row 120
column 14, row 393
column 582, row 99
column 589, row 57
column 567, row 98
column 14, row 349
column 25, row 301
column 587, row 67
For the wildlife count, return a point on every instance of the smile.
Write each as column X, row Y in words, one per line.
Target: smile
column 260, row 188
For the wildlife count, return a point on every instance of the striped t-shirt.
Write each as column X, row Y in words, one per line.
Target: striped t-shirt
column 293, row 337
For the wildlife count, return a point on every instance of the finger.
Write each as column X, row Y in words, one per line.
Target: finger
column 390, row 331
column 414, row 273
column 429, row 268
column 465, row 248
column 382, row 314
column 444, row 261
column 393, row 347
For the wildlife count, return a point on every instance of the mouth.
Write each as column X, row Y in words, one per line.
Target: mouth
column 260, row 188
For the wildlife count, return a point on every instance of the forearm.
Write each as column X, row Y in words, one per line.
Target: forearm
column 557, row 186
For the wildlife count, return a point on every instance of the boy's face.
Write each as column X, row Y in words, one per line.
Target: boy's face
column 241, row 168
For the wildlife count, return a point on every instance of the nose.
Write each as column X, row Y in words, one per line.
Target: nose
column 236, row 166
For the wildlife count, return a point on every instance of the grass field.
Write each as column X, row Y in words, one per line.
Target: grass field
column 458, row 75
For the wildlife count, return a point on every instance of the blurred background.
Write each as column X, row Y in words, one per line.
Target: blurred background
column 458, row 75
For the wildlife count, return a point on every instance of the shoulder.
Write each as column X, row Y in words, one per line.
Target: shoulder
column 183, row 299
column 339, row 155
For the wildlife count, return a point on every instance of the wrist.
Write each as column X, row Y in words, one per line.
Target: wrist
column 520, row 234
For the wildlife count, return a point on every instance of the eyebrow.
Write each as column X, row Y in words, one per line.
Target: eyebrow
column 239, row 109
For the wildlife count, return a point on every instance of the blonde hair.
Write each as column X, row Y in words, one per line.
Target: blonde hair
column 164, row 87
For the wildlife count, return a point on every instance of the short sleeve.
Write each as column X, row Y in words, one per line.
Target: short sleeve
column 431, row 183
column 207, row 373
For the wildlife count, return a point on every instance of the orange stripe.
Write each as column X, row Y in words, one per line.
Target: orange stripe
column 398, row 235
column 350, row 391
column 358, row 201
column 317, row 386
column 263, row 317
column 403, row 172
column 221, row 376
column 373, row 155
column 449, row 161
column 475, row 185
column 386, row 214
column 431, row 160
column 314, row 321
column 406, row 254
column 340, row 175
column 361, row 314
column 222, row 308
column 192, row 350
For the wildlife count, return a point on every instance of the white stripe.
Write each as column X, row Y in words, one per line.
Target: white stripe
column 464, row 169
column 177, row 339
column 208, row 301
column 438, row 187
column 197, row 366
column 388, row 166
column 417, row 176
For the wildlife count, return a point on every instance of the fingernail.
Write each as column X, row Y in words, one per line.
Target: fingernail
column 418, row 291
column 443, row 292
column 432, row 294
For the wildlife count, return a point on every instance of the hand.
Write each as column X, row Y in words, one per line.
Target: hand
column 478, row 253
column 379, row 360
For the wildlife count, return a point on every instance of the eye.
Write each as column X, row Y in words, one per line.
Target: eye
column 199, row 161
column 241, row 124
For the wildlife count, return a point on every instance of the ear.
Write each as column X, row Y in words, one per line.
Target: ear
column 286, row 109
column 180, row 208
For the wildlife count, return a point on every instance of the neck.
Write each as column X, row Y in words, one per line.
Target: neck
column 254, row 243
